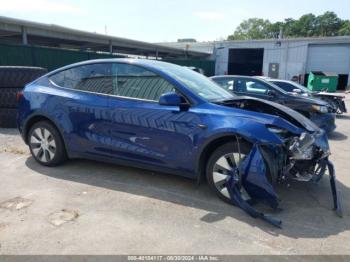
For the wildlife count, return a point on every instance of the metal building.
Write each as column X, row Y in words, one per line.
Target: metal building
column 285, row 58
column 279, row 58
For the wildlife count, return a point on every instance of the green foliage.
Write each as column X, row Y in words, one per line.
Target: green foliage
column 253, row 28
column 345, row 29
column 308, row 25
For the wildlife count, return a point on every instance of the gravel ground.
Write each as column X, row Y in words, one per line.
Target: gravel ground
column 85, row 207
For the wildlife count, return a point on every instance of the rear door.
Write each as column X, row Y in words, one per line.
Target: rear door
column 81, row 106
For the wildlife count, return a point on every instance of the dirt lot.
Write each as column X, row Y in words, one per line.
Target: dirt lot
column 85, row 207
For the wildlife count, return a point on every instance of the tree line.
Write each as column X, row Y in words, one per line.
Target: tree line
column 308, row 25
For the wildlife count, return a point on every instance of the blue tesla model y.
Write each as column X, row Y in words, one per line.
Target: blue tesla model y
column 168, row 118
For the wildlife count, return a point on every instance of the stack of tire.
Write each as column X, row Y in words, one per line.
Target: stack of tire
column 12, row 80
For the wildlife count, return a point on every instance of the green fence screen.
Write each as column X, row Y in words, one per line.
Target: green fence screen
column 52, row 58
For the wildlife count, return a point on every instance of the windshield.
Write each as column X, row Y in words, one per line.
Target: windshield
column 197, row 83
column 273, row 85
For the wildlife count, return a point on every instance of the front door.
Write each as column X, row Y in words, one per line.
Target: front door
column 142, row 129
column 256, row 88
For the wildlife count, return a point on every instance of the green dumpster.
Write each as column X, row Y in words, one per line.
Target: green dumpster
column 322, row 81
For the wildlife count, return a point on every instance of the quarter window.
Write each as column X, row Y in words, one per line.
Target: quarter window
column 95, row 78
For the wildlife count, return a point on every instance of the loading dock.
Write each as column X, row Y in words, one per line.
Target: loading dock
column 330, row 58
column 246, row 61
column 285, row 58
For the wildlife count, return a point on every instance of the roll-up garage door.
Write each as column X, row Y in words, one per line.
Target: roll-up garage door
column 333, row 58
column 329, row 58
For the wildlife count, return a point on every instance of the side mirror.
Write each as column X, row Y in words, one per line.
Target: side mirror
column 170, row 99
column 297, row 90
column 271, row 93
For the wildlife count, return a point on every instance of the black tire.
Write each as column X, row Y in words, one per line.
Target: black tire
column 8, row 97
column 8, row 117
column 221, row 151
column 19, row 76
column 59, row 153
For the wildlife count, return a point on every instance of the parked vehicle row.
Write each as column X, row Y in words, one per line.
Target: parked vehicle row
column 336, row 101
column 318, row 111
column 168, row 118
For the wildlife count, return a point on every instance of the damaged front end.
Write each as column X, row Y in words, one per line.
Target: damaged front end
column 302, row 157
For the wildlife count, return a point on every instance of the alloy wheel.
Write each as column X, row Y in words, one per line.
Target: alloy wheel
column 224, row 168
column 43, row 144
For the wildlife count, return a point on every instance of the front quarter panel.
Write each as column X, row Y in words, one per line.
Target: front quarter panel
column 250, row 125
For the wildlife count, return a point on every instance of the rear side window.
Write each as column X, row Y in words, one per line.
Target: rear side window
column 97, row 78
column 138, row 82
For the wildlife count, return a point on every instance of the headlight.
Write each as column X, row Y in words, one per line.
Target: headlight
column 302, row 148
column 321, row 109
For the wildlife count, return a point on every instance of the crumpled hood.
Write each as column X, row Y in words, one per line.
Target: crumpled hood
column 274, row 109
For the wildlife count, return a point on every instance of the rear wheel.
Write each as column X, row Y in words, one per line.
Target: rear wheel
column 224, row 163
column 46, row 144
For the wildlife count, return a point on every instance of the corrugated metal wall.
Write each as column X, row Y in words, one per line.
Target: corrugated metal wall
column 291, row 56
column 329, row 58
column 53, row 58
column 295, row 56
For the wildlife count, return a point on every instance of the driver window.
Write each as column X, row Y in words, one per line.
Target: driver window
column 251, row 86
column 137, row 82
column 255, row 87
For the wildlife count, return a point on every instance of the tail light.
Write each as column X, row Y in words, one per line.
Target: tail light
column 19, row 95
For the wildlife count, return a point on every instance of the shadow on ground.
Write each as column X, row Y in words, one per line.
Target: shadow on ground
column 307, row 207
column 343, row 116
column 337, row 136
column 9, row 131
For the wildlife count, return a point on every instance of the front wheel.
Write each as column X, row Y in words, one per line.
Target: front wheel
column 46, row 144
column 223, row 164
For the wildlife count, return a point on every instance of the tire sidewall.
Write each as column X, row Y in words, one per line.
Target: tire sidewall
column 60, row 154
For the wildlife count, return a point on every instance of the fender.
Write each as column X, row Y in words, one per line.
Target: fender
column 208, row 141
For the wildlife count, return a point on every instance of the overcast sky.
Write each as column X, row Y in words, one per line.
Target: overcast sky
column 164, row 20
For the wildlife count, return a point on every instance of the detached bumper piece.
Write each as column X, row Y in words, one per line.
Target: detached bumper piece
column 336, row 199
column 236, row 197
column 251, row 176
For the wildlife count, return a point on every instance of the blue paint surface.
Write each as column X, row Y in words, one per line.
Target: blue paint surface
column 144, row 132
